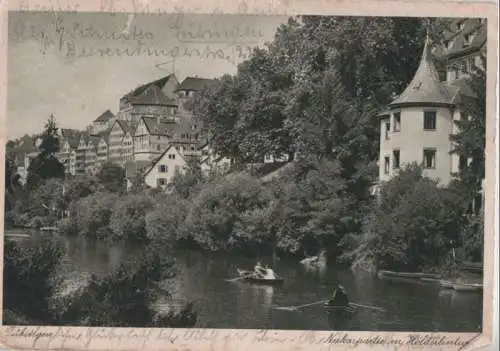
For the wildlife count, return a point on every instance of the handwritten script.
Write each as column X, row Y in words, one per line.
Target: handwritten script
column 57, row 337
column 180, row 37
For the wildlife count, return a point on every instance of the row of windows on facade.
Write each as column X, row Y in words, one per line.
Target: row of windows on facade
column 429, row 160
column 429, row 123
column 164, row 168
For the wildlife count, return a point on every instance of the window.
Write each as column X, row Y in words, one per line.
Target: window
column 387, row 130
column 161, row 181
column 171, row 156
column 395, row 159
column 177, row 169
column 429, row 120
column 158, row 147
column 430, row 158
column 387, row 161
column 162, row 168
column 462, row 163
column 397, row 122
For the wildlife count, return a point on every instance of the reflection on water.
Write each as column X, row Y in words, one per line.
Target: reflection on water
column 222, row 304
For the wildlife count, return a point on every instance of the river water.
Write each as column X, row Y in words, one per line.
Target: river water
column 408, row 305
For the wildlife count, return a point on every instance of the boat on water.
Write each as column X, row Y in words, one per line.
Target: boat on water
column 349, row 309
column 49, row 229
column 468, row 287
column 318, row 260
column 251, row 277
column 446, row 284
column 408, row 275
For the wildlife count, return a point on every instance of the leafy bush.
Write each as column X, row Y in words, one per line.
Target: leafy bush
column 30, row 279
column 413, row 226
column 125, row 297
column 218, row 207
column 92, row 213
column 164, row 222
column 128, row 219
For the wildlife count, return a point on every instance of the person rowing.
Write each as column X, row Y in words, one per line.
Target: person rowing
column 339, row 298
column 264, row 272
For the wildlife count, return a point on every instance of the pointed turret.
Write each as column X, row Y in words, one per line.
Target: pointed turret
column 425, row 88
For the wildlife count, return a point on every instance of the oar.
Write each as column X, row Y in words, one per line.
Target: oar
column 238, row 278
column 366, row 306
column 293, row 308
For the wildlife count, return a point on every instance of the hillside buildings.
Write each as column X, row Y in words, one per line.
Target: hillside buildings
column 151, row 119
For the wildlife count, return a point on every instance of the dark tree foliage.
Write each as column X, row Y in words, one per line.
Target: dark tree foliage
column 412, row 227
column 112, row 177
column 30, row 280
column 470, row 141
column 126, row 297
column 45, row 165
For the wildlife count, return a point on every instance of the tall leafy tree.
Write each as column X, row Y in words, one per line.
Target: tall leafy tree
column 45, row 165
column 112, row 177
column 470, row 140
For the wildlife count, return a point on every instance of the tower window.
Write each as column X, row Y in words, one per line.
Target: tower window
column 387, row 161
column 395, row 159
column 430, row 120
column 387, row 130
column 430, row 158
column 397, row 122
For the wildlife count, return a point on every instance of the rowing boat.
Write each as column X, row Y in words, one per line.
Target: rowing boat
column 468, row 287
column 250, row 277
column 340, row 309
column 446, row 284
column 407, row 275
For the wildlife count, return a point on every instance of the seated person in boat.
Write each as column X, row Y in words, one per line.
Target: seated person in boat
column 339, row 298
column 264, row 273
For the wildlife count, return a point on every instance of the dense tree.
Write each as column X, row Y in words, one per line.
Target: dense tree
column 413, row 227
column 30, row 278
column 126, row 297
column 128, row 219
column 112, row 177
column 45, row 165
column 470, row 141
column 91, row 215
column 217, row 208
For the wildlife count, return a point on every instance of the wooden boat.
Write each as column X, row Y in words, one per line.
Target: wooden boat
column 474, row 267
column 249, row 276
column 446, row 284
column 407, row 275
column 49, row 229
column 468, row 287
column 351, row 309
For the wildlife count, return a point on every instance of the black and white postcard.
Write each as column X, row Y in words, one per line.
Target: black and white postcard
column 204, row 176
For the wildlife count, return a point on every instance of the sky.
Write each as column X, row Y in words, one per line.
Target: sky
column 77, row 65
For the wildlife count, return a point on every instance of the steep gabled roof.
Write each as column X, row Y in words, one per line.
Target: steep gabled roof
column 160, row 83
column 72, row 136
column 426, row 88
column 128, row 127
column 196, row 84
column 455, row 38
column 104, row 135
column 105, row 116
column 158, row 159
column 152, row 95
column 156, row 127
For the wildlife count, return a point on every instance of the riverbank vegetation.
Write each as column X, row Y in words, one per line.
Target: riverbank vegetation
column 312, row 94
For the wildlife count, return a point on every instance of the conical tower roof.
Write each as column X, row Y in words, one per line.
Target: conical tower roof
column 425, row 88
